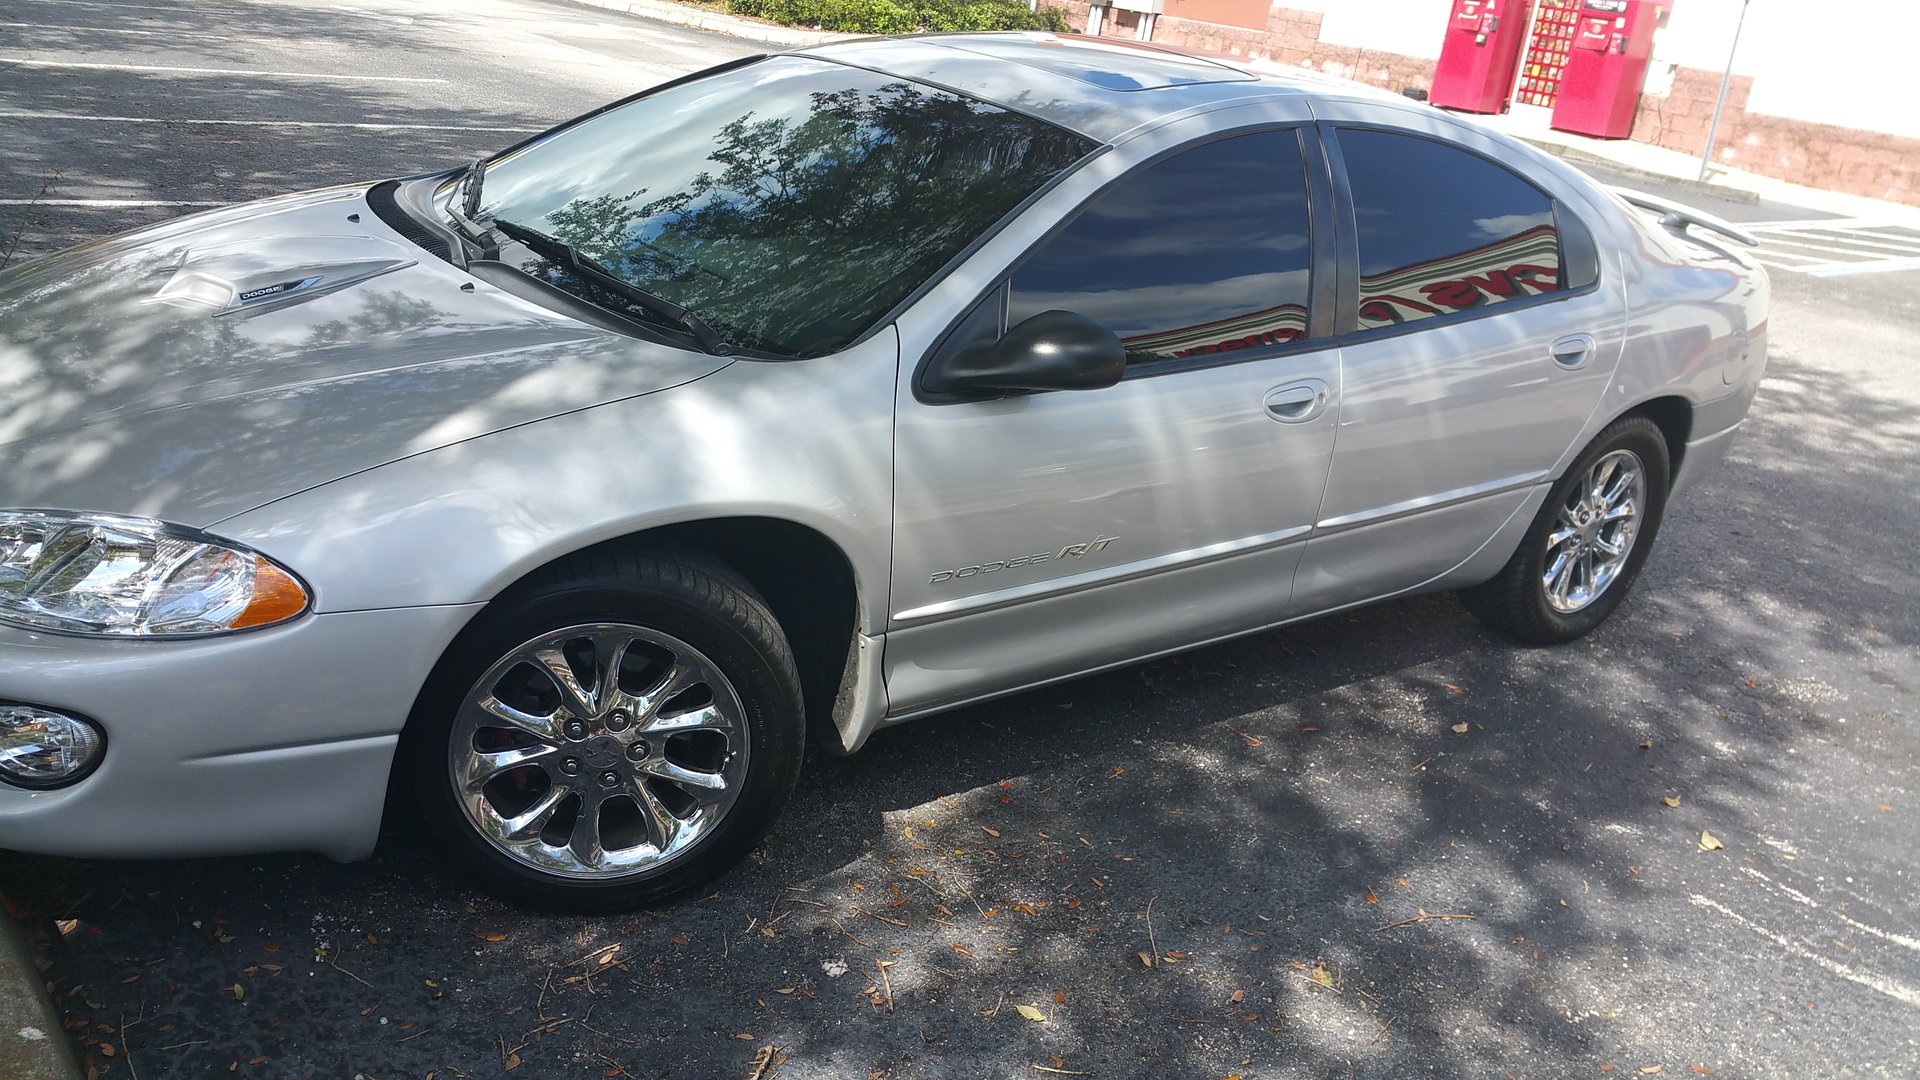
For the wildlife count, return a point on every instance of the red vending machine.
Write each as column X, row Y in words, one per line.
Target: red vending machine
column 1608, row 62
column 1477, row 59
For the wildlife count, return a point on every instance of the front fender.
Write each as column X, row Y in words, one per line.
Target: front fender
column 809, row 441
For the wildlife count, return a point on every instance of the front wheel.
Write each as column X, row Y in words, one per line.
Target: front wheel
column 1588, row 542
column 616, row 732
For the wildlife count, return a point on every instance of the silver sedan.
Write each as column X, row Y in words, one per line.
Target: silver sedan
column 569, row 494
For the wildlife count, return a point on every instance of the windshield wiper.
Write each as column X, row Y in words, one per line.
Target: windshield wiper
column 591, row 269
column 470, row 189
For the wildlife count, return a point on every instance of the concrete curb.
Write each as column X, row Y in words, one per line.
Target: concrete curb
column 732, row 25
column 1600, row 161
column 33, row 1044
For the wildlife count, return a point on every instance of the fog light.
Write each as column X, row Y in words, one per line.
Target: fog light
column 40, row 748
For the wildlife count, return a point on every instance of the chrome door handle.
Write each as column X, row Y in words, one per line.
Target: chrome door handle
column 1573, row 352
column 1299, row 402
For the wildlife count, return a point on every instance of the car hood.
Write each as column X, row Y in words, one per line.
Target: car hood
column 200, row 368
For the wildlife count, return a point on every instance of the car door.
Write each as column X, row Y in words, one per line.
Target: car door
column 1046, row 534
column 1477, row 336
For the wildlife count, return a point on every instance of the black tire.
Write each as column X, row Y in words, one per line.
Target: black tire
column 1516, row 600
column 697, row 601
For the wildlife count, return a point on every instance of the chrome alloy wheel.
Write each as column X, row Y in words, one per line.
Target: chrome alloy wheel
column 1594, row 532
column 599, row 751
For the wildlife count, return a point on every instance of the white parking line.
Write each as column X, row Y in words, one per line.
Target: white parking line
column 1871, row 980
column 1799, row 897
column 1807, row 223
column 378, row 16
column 93, row 29
column 23, row 114
column 1836, row 247
column 112, row 203
column 195, row 9
column 21, row 61
column 1858, row 243
column 1882, row 266
column 198, row 9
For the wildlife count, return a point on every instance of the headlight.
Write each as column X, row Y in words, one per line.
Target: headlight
column 130, row 577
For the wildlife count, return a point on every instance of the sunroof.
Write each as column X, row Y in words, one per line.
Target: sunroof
column 1111, row 65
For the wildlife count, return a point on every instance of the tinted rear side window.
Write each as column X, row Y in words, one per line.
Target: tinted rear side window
column 1442, row 230
column 1205, row 252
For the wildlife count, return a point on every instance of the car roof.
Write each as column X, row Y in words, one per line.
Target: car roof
column 1099, row 87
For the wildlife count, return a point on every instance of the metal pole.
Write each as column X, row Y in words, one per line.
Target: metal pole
column 1713, row 129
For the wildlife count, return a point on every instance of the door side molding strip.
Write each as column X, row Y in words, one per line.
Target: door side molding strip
column 1427, row 502
column 1109, row 575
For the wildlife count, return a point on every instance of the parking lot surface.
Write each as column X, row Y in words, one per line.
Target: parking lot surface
column 1388, row 843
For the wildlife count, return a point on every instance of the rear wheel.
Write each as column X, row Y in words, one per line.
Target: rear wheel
column 1587, row 543
column 616, row 732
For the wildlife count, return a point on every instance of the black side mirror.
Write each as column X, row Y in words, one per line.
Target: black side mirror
column 1054, row 350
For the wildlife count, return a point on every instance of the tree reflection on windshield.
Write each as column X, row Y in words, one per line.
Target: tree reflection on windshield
column 826, row 195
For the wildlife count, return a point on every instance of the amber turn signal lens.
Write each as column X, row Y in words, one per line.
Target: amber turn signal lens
column 276, row 597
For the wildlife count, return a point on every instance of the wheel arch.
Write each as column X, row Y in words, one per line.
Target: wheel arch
column 1673, row 415
column 806, row 578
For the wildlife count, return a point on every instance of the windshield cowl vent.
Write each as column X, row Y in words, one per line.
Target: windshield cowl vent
column 386, row 206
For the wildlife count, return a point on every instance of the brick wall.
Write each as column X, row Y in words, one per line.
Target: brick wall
column 1817, row 155
column 1291, row 36
column 1208, row 37
column 1114, row 24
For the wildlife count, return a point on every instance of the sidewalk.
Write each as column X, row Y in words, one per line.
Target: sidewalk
column 33, row 1045
column 1661, row 165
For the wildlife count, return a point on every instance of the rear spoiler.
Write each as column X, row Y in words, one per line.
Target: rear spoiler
column 1676, row 216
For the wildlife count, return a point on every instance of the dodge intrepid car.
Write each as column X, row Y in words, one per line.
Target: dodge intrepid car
column 562, row 493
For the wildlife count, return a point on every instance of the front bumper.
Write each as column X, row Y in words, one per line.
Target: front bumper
column 276, row 740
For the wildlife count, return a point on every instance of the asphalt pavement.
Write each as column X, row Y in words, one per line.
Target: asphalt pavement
column 1388, row 843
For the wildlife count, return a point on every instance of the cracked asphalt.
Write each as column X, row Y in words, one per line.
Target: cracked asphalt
column 1276, row 824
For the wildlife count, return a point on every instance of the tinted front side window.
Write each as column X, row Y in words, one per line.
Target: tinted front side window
column 791, row 203
column 1205, row 252
column 1443, row 230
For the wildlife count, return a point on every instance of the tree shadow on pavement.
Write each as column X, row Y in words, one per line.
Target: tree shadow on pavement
column 1223, row 862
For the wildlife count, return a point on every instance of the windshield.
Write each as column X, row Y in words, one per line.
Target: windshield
column 791, row 203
